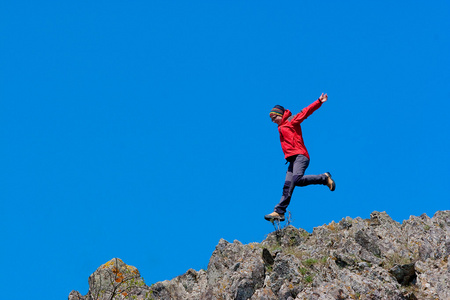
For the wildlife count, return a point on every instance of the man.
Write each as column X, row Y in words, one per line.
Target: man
column 296, row 154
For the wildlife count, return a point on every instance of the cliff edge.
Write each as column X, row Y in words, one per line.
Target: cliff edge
column 374, row 258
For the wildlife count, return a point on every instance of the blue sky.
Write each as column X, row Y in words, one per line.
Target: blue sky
column 140, row 130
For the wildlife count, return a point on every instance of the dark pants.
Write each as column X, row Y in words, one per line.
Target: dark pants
column 295, row 177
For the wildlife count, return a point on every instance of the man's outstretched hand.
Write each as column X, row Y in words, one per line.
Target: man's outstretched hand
column 323, row 98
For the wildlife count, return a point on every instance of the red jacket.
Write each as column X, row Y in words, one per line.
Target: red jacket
column 291, row 133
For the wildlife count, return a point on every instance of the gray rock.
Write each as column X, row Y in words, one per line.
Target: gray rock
column 75, row 295
column 224, row 280
column 374, row 258
column 367, row 242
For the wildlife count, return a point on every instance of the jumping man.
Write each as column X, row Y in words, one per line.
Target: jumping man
column 296, row 154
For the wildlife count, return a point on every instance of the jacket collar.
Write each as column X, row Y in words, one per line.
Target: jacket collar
column 286, row 115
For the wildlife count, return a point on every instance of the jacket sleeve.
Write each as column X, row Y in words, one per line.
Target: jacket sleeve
column 306, row 112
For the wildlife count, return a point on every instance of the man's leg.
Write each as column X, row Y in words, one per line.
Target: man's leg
column 299, row 179
column 288, row 189
column 295, row 177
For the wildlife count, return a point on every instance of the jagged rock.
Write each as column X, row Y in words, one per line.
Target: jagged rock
column 289, row 237
column 285, row 279
column 375, row 258
column 75, row 295
column 264, row 294
column 235, row 271
column 433, row 278
column 367, row 242
column 188, row 286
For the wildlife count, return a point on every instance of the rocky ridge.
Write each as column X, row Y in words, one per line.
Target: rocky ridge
column 375, row 258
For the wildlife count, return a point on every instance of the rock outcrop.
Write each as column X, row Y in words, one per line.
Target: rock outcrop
column 375, row 258
column 115, row 280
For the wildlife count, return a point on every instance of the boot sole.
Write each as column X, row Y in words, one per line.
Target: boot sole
column 274, row 219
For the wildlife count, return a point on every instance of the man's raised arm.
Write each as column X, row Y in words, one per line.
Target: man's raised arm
column 307, row 111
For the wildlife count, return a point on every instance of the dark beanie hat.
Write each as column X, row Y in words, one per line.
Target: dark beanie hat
column 277, row 110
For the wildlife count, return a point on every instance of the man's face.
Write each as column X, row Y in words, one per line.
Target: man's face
column 276, row 119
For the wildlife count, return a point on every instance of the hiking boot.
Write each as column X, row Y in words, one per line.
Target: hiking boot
column 274, row 217
column 330, row 182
